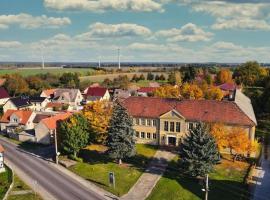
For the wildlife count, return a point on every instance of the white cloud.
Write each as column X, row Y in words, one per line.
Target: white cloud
column 101, row 30
column 189, row 32
column 102, row 5
column 30, row 22
column 9, row 44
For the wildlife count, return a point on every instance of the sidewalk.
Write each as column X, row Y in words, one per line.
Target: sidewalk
column 144, row 186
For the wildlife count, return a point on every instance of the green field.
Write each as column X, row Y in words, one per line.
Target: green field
column 5, row 181
column 34, row 71
column 96, row 167
column 225, row 183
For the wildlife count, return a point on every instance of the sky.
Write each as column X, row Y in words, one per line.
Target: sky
column 144, row 30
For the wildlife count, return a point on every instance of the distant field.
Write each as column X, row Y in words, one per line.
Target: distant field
column 100, row 78
column 34, row 71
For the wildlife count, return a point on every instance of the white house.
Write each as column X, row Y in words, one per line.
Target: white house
column 97, row 94
column 17, row 103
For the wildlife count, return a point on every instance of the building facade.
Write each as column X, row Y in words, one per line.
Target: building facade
column 167, row 121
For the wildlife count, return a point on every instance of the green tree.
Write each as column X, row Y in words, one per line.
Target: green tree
column 150, row 76
column 70, row 80
column 199, row 152
column 121, row 140
column 16, row 84
column 74, row 134
column 142, row 78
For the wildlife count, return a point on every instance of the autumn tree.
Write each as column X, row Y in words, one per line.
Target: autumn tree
column 98, row 114
column 214, row 93
column 239, row 143
column 174, row 78
column 121, row 135
column 70, row 80
column 167, row 91
column 191, row 91
column 221, row 135
column 224, row 76
column 16, row 84
column 150, row 76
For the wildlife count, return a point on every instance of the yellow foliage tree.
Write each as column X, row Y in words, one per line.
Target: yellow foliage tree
column 220, row 133
column 98, row 114
column 214, row 93
column 239, row 142
column 191, row 91
column 224, row 76
column 167, row 91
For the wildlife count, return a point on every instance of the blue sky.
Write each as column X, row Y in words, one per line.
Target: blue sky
column 144, row 30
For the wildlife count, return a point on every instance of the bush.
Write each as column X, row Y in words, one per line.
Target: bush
column 72, row 157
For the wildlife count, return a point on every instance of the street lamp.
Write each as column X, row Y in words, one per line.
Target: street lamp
column 55, row 146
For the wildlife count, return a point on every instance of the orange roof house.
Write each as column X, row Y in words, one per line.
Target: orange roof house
column 23, row 115
column 51, row 122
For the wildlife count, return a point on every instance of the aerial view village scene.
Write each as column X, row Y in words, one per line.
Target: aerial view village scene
column 134, row 100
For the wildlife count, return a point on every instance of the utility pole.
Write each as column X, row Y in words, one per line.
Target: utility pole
column 206, row 187
column 99, row 62
column 56, row 147
column 119, row 62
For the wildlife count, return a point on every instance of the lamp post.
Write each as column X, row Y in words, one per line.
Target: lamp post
column 55, row 146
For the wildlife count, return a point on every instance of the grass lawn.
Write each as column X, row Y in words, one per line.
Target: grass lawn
column 97, row 165
column 21, row 186
column 5, row 181
column 225, row 183
column 34, row 71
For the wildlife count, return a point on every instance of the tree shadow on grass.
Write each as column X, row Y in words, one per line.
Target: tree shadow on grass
column 219, row 189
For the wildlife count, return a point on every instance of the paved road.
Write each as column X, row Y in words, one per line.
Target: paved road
column 58, row 185
column 263, row 175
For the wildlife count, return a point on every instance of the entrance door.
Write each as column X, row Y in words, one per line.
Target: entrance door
column 171, row 141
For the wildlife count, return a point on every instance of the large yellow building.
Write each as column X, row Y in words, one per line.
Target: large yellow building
column 166, row 121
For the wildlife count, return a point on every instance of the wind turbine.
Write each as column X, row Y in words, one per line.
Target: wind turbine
column 119, row 62
column 42, row 57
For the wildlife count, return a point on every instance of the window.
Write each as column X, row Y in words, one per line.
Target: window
column 148, row 122
column 137, row 121
column 178, row 127
column 172, row 126
column 190, row 126
column 166, row 126
column 148, row 135
column 137, row 134
column 154, row 122
column 154, row 136
column 143, row 122
column 142, row 134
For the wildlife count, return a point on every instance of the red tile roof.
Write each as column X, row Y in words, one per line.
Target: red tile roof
column 227, row 86
column 24, row 115
column 3, row 93
column 49, row 92
column 147, row 89
column 96, row 91
column 1, row 149
column 51, row 122
column 192, row 110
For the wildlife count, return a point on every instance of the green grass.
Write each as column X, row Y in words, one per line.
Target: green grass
column 5, row 181
column 96, row 167
column 35, row 71
column 226, row 183
column 19, row 185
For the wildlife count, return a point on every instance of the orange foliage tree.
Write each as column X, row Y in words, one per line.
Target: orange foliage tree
column 224, row 76
column 191, row 91
column 98, row 114
column 239, row 142
column 220, row 133
column 213, row 93
column 167, row 91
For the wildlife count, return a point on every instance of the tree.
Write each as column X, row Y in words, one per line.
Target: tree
column 98, row 114
column 121, row 140
column 70, row 80
column 191, row 91
column 73, row 134
column 167, row 91
column 214, row 93
column 162, row 77
column 150, row 76
column 189, row 73
column 208, row 78
column 220, row 133
column 16, row 84
column 248, row 73
column 142, row 78
column 174, row 78
column 199, row 152
column 239, row 143
column 135, row 78
column 224, row 76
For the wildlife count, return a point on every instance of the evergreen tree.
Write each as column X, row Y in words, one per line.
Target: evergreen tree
column 199, row 152
column 121, row 140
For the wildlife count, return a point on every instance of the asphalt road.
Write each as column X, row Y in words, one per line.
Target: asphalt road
column 57, row 184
